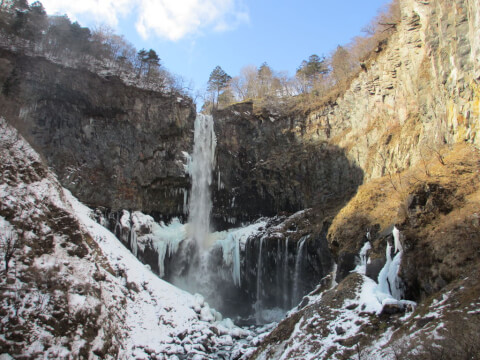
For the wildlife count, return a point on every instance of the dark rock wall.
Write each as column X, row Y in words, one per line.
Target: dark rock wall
column 263, row 168
column 111, row 144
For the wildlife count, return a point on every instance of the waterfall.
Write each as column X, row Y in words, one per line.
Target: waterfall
column 298, row 268
column 201, row 168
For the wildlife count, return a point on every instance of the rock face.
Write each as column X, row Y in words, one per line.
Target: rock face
column 111, row 144
column 263, row 169
column 436, row 214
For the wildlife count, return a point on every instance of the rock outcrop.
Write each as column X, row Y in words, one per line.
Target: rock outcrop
column 112, row 145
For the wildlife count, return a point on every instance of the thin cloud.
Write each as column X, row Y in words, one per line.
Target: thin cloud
column 105, row 11
column 168, row 19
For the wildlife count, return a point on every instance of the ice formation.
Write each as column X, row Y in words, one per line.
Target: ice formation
column 389, row 283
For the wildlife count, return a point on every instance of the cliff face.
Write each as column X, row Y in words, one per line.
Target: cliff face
column 111, row 144
column 419, row 92
column 406, row 114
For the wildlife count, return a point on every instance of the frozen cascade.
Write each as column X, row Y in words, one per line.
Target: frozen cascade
column 298, row 269
column 231, row 241
column 165, row 239
column 361, row 267
column 286, row 303
column 258, row 305
column 389, row 284
column 201, row 167
column 133, row 242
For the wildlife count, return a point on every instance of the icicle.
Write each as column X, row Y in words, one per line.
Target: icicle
column 278, row 270
column 236, row 263
column 286, row 302
column 396, row 239
column 185, row 201
column 298, row 267
column 258, row 305
column 133, row 241
column 361, row 267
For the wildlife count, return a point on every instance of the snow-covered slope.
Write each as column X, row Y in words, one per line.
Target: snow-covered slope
column 73, row 291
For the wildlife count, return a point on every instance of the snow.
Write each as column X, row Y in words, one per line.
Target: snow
column 176, row 310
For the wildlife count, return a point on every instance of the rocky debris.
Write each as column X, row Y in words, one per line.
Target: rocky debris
column 327, row 327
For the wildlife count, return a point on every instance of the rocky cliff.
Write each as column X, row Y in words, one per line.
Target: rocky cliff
column 410, row 122
column 417, row 92
column 111, row 144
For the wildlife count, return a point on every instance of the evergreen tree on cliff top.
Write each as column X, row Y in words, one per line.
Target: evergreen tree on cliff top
column 217, row 81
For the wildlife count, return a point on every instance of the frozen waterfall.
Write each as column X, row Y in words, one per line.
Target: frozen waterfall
column 201, row 168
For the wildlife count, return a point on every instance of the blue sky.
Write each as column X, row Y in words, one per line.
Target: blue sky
column 193, row 36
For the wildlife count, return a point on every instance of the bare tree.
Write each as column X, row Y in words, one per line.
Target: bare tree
column 9, row 247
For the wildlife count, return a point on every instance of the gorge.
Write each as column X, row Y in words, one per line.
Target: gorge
column 346, row 230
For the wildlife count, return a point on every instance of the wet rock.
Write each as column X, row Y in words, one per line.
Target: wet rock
column 262, row 169
column 346, row 263
column 391, row 308
column 374, row 266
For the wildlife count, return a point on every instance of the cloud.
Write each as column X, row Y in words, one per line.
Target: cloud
column 104, row 11
column 169, row 19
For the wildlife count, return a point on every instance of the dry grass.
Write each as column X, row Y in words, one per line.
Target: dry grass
column 385, row 201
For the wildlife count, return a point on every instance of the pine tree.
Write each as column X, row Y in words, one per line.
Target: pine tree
column 217, row 81
column 265, row 77
column 310, row 71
